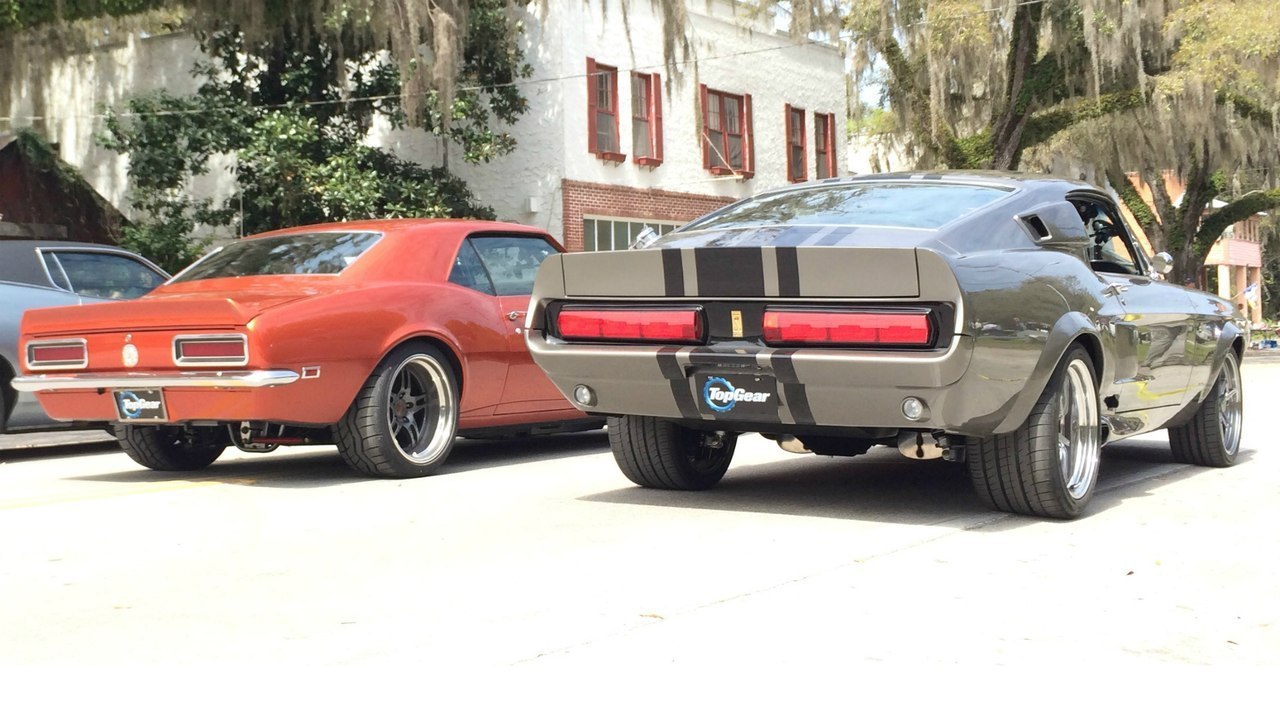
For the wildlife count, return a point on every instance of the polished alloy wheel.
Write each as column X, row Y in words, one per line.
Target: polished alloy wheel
column 1230, row 404
column 420, row 409
column 1079, row 436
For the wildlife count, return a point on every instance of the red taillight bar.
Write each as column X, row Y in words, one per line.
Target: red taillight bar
column 682, row 325
column 57, row 355
column 813, row 327
column 210, row 350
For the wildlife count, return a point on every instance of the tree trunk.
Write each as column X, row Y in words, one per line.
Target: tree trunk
column 1007, row 132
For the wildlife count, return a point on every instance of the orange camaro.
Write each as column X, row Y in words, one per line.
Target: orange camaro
column 388, row 338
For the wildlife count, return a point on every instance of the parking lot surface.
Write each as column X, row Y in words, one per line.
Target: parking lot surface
column 537, row 559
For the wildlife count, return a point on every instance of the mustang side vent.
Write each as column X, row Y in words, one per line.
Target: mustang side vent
column 1038, row 227
column 70, row 354
column 227, row 350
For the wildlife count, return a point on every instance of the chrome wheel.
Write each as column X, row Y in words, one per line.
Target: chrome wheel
column 1079, row 436
column 420, row 409
column 1230, row 404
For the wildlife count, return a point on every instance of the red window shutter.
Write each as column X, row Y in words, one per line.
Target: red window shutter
column 613, row 100
column 804, row 149
column 832, row 161
column 591, row 106
column 655, row 118
column 706, row 131
column 748, row 162
column 786, row 144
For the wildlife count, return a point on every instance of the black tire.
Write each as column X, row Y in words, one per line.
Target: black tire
column 1049, row 465
column 172, row 447
column 403, row 421
column 657, row 453
column 1212, row 436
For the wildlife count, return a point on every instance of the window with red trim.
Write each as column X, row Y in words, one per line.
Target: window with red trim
column 646, row 118
column 797, row 168
column 602, row 111
column 824, row 144
column 727, row 147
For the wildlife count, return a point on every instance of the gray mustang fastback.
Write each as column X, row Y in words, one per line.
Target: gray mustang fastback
column 1008, row 322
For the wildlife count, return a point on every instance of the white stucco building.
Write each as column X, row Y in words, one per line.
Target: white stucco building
column 615, row 138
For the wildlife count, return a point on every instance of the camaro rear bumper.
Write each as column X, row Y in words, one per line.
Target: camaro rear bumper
column 146, row 381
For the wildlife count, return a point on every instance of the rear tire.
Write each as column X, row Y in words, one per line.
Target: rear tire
column 1049, row 466
column 172, row 447
column 658, row 453
column 1212, row 436
column 404, row 420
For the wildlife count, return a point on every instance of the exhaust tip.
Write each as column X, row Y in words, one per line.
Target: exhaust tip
column 792, row 444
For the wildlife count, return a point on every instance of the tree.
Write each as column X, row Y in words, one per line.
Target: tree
column 1183, row 85
column 288, row 94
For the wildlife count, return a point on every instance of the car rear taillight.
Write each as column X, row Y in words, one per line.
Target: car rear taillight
column 210, row 350
column 57, row 355
column 672, row 325
column 811, row 327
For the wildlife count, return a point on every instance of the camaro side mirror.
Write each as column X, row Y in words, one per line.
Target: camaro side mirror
column 1162, row 263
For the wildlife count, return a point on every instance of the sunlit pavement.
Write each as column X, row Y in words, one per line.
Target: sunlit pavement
column 537, row 559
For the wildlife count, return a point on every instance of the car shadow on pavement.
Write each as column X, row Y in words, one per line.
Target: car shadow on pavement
column 883, row 486
column 321, row 466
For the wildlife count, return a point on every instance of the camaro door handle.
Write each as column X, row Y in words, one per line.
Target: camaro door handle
column 515, row 314
column 1114, row 289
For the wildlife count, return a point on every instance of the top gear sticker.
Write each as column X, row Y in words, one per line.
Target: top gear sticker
column 722, row 396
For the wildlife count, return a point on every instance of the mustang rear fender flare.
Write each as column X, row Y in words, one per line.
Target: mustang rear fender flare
column 1230, row 341
column 1070, row 329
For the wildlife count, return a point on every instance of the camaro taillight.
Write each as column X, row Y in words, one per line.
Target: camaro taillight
column 811, row 327
column 674, row 325
column 210, row 350
column 57, row 355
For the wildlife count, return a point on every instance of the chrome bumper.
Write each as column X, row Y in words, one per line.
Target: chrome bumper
column 142, row 381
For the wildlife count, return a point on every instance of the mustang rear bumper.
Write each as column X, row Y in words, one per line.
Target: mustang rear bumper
column 744, row 388
column 146, row 381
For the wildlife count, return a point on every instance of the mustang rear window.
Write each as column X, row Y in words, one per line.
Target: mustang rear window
column 919, row 205
column 318, row 253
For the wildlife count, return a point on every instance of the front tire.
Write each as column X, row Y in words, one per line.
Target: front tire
column 404, row 420
column 1048, row 466
column 658, row 453
column 171, row 447
column 1212, row 436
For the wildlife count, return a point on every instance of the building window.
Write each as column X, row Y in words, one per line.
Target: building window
column 824, row 144
column 797, row 169
column 602, row 111
column 646, row 118
column 618, row 233
column 726, row 133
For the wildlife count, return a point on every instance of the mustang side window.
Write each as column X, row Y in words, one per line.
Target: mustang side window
column 512, row 262
column 469, row 272
column 1111, row 251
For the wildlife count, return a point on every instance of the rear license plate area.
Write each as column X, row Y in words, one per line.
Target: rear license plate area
column 738, row 396
column 140, row 405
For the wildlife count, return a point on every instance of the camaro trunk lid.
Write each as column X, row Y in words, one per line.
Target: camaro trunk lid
column 221, row 303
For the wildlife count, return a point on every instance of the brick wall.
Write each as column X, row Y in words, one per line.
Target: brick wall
column 616, row 201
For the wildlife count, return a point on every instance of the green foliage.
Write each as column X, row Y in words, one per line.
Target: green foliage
column 1241, row 208
column 22, row 14
column 1129, row 195
column 290, row 122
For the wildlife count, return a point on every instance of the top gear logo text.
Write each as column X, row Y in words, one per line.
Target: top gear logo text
column 720, row 395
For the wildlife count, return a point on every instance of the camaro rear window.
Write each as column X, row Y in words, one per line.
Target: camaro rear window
column 919, row 205
column 303, row 254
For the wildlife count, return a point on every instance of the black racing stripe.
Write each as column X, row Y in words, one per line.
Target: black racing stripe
column 730, row 271
column 784, row 368
column 670, row 368
column 837, row 237
column 672, row 272
column 788, row 272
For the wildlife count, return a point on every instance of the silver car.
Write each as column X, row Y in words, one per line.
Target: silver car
column 46, row 273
